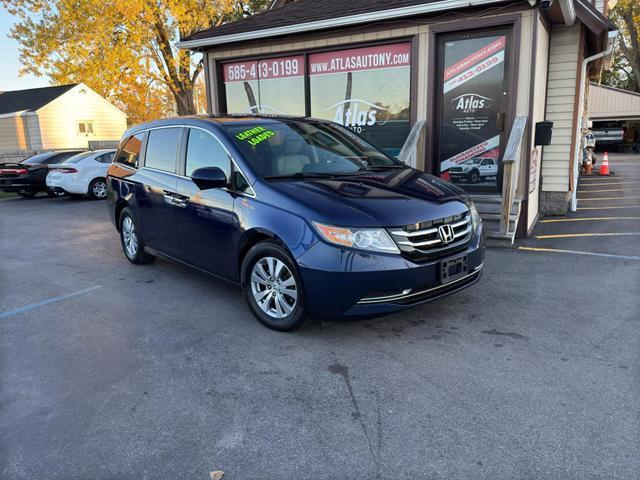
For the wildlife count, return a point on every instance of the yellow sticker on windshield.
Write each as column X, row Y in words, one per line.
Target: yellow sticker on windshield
column 255, row 135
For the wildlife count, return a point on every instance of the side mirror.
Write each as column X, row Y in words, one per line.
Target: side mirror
column 209, row 177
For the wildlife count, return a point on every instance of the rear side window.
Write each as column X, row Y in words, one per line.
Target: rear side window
column 61, row 157
column 78, row 158
column 162, row 149
column 40, row 158
column 105, row 158
column 131, row 151
column 203, row 150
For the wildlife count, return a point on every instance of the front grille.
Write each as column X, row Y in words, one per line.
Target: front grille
column 422, row 241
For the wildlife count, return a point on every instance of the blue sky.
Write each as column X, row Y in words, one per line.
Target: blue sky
column 10, row 61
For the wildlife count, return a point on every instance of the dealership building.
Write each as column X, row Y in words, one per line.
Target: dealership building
column 455, row 88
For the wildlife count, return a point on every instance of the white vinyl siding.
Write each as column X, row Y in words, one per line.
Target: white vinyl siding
column 609, row 103
column 561, row 96
column 12, row 135
column 539, row 85
column 59, row 119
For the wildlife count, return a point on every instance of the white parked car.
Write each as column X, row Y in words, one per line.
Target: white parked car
column 82, row 174
column 475, row 169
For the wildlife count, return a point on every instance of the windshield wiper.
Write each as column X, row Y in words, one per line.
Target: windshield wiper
column 301, row 175
column 384, row 167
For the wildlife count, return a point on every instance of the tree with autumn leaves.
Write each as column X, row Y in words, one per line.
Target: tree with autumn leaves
column 123, row 49
column 625, row 71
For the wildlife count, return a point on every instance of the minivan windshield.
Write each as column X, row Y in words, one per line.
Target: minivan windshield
column 298, row 149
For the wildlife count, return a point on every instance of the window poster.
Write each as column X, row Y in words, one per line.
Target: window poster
column 365, row 89
column 272, row 85
column 472, row 99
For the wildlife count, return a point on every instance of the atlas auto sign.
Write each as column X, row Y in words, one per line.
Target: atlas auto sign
column 355, row 109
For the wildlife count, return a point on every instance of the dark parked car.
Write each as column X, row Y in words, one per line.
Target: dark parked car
column 311, row 220
column 29, row 176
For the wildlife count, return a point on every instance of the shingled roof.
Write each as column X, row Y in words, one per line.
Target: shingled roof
column 303, row 11
column 31, row 99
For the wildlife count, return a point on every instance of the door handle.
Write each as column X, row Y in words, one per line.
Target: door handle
column 175, row 199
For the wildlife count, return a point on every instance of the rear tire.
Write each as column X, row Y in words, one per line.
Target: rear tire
column 27, row 194
column 56, row 193
column 98, row 189
column 132, row 243
column 272, row 287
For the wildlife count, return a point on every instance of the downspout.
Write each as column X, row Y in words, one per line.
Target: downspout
column 611, row 41
column 568, row 10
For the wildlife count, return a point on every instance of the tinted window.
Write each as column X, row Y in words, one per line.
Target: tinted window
column 61, row 157
column 40, row 158
column 79, row 157
column 131, row 151
column 105, row 158
column 240, row 183
column 203, row 150
column 162, row 149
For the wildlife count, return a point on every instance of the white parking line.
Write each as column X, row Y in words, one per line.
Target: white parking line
column 33, row 306
column 578, row 252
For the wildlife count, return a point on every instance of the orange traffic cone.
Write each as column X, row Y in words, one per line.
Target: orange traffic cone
column 604, row 166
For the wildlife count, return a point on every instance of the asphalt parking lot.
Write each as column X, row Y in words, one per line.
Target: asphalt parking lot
column 113, row 371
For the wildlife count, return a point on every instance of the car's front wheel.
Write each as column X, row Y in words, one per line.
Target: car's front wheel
column 474, row 176
column 132, row 243
column 272, row 287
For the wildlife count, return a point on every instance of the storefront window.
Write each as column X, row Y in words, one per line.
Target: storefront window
column 274, row 86
column 472, row 108
column 365, row 89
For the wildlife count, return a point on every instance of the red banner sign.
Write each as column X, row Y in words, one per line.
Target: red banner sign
column 357, row 59
column 475, row 57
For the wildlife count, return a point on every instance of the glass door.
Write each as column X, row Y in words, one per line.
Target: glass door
column 471, row 107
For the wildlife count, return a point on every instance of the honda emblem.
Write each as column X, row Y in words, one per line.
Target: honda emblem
column 445, row 232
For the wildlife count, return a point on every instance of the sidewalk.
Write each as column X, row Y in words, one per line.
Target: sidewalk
column 607, row 222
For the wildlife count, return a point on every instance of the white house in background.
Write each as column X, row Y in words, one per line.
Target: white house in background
column 64, row 116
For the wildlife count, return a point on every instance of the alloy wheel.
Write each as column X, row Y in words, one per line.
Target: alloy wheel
column 130, row 237
column 99, row 189
column 274, row 287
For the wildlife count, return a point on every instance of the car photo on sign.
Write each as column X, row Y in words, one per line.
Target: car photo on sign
column 476, row 170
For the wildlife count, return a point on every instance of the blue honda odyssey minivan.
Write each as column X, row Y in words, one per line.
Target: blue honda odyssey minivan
column 308, row 218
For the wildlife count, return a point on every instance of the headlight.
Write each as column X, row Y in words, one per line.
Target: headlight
column 475, row 217
column 370, row 239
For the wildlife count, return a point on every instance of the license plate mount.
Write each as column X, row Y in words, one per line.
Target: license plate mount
column 452, row 269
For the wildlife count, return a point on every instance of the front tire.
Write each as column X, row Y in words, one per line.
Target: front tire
column 56, row 193
column 273, row 288
column 474, row 176
column 132, row 243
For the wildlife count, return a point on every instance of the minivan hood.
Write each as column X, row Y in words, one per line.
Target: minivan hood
column 388, row 199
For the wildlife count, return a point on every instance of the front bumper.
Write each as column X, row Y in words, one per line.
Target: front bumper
column 349, row 283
